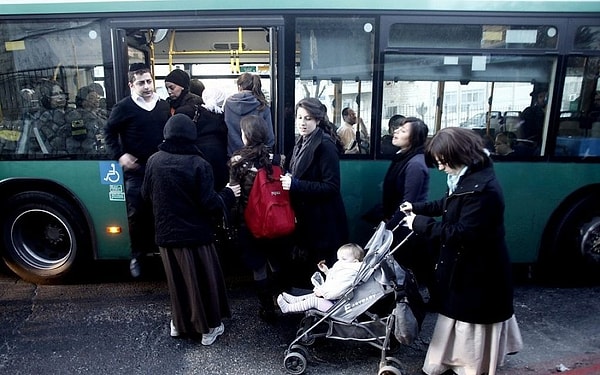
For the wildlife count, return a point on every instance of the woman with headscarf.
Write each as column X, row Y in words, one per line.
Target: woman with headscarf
column 179, row 184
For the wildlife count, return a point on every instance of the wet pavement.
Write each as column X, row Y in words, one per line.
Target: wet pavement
column 113, row 325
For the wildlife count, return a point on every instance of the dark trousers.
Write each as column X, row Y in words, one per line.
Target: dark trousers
column 139, row 215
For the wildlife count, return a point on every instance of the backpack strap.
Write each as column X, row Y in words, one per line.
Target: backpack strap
column 276, row 159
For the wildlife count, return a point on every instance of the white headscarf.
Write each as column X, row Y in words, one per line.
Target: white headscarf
column 213, row 99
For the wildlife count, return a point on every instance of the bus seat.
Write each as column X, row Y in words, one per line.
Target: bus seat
column 511, row 120
column 595, row 130
column 569, row 128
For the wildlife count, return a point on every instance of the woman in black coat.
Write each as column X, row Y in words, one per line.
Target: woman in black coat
column 476, row 326
column 314, row 184
column 179, row 184
column 210, row 125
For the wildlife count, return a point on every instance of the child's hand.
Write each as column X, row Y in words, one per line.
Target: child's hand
column 322, row 267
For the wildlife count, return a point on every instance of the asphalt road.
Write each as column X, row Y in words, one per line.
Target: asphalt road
column 112, row 325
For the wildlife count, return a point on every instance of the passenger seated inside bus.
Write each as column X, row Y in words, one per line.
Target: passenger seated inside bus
column 387, row 148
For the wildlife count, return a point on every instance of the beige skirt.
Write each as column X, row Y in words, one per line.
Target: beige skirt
column 471, row 349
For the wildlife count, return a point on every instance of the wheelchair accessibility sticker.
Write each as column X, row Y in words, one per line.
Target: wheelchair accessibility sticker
column 111, row 174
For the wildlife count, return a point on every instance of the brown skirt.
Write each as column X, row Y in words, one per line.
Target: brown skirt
column 196, row 287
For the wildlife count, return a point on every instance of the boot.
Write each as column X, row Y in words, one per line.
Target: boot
column 266, row 309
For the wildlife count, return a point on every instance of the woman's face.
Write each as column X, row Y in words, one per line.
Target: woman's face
column 58, row 99
column 442, row 166
column 305, row 123
column 173, row 90
column 401, row 136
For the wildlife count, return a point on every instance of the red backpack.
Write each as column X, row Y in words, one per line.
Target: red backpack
column 269, row 212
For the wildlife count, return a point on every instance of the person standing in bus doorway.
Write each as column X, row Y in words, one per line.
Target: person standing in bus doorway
column 264, row 257
column 180, row 187
column 210, row 127
column 348, row 134
column 314, row 184
column 407, row 180
column 181, row 99
column 476, row 326
column 132, row 133
column 249, row 100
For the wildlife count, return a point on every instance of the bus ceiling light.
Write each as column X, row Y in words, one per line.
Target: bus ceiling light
column 113, row 229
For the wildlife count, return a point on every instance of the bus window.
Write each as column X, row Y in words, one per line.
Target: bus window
column 334, row 64
column 578, row 132
column 52, row 90
column 474, row 91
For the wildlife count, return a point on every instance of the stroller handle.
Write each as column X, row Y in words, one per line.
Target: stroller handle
column 401, row 242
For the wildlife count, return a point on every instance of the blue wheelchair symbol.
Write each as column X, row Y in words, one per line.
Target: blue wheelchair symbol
column 110, row 173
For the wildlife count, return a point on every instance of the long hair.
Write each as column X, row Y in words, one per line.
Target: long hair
column 251, row 82
column 418, row 131
column 255, row 152
column 456, row 147
column 319, row 111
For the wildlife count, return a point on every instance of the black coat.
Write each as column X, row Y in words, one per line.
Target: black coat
column 179, row 183
column 315, row 194
column 473, row 272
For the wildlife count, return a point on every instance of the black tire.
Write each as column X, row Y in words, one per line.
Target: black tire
column 43, row 237
column 572, row 253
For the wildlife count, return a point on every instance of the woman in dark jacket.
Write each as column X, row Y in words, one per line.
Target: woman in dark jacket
column 179, row 184
column 314, row 184
column 211, row 127
column 476, row 326
column 407, row 180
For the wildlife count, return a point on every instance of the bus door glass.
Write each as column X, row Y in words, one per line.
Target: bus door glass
column 334, row 63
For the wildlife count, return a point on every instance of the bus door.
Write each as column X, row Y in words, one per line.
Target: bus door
column 213, row 50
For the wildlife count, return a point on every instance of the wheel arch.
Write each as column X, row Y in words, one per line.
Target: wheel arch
column 12, row 186
column 552, row 251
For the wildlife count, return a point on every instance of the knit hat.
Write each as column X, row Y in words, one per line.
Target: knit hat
column 180, row 126
column 179, row 77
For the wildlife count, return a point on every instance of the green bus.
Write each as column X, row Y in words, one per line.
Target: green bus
column 477, row 64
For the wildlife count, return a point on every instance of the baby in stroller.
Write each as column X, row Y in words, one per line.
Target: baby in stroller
column 338, row 279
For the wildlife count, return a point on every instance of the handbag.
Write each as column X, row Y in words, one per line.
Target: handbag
column 226, row 233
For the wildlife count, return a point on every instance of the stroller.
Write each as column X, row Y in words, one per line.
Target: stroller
column 383, row 299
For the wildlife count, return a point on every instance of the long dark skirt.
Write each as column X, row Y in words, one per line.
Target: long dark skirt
column 196, row 287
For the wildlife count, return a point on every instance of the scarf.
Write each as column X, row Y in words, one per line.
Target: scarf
column 301, row 156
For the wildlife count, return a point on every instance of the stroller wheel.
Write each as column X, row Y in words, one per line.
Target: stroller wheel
column 294, row 363
column 389, row 370
column 300, row 349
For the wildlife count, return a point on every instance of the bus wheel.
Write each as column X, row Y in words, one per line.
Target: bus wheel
column 575, row 246
column 43, row 236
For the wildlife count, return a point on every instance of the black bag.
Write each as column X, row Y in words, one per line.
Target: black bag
column 226, row 233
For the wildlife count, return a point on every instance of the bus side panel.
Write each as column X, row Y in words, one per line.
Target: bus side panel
column 103, row 201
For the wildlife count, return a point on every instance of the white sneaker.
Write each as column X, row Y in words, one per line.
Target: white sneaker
column 213, row 333
column 174, row 332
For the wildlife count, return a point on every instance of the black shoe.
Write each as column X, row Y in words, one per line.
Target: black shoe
column 135, row 268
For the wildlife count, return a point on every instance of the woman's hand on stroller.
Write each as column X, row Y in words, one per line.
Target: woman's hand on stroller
column 410, row 217
column 406, row 207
